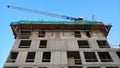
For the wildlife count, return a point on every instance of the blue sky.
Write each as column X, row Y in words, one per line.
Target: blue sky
column 107, row 11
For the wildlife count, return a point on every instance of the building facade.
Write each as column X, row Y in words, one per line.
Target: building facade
column 62, row 44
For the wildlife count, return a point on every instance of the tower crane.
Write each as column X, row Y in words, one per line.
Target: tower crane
column 45, row 13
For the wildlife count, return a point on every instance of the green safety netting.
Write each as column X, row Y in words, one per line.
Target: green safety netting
column 54, row 22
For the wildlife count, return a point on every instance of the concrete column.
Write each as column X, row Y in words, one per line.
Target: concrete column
column 82, row 57
column 64, row 58
column 38, row 57
column 72, row 44
column 114, row 57
column 34, row 44
column 97, row 57
column 16, row 44
column 55, row 57
column 21, row 58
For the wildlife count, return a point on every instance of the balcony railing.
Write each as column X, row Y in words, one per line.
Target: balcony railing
column 74, row 61
column 106, row 60
column 91, row 60
column 104, row 46
column 11, row 60
column 24, row 46
column 24, row 36
column 42, row 46
column 29, row 60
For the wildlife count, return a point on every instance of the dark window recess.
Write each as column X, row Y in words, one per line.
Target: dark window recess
column 77, row 27
column 25, row 44
column 10, row 67
column 111, row 67
column 103, row 44
column 83, row 44
column 105, row 57
column 26, row 31
column 46, row 57
column 23, row 36
column 42, row 67
column 93, row 67
column 43, row 44
column 90, row 57
column 77, row 34
column 88, row 28
column 27, row 67
column 12, row 57
column 118, row 53
column 88, row 34
column 30, row 57
column 74, row 57
column 75, row 67
column 41, row 34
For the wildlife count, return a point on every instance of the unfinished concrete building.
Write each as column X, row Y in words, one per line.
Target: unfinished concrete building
column 62, row 44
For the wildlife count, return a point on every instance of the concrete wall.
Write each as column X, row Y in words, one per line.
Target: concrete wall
column 58, row 44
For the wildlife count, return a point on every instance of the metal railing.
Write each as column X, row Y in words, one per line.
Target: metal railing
column 106, row 60
column 11, row 60
column 104, row 46
column 91, row 60
column 74, row 61
column 25, row 46
column 24, row 36
column 29, row 60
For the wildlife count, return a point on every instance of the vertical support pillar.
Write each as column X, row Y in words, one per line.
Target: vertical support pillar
column 40, row 31
column 31, row 28
column 52, row 29
column 19, row 30
column 73, row 28
column 16, row 30
column 63, row 29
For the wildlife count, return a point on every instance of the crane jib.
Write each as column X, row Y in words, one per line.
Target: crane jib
column 43, row 13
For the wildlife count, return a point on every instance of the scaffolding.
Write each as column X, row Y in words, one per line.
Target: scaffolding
column 58, row 26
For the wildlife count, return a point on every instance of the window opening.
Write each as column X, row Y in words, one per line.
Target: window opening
column 30, row 57
column 103, row 44
column 75, row 67
column 25, row 31
column 43, row 44
column 77, row 34
column 93, row 67
column 83, row 44
column 41, row 34
column 118, row 53
column 88, row 34
column 90, row 57
column 12, row 57
column 25, row 44
column 105, row 57
column 74, row 57
column 111, row 67
column 10, row 67
column 46, row 57
column 42, row 67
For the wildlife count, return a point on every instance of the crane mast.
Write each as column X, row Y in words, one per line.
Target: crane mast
column 44, row 13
